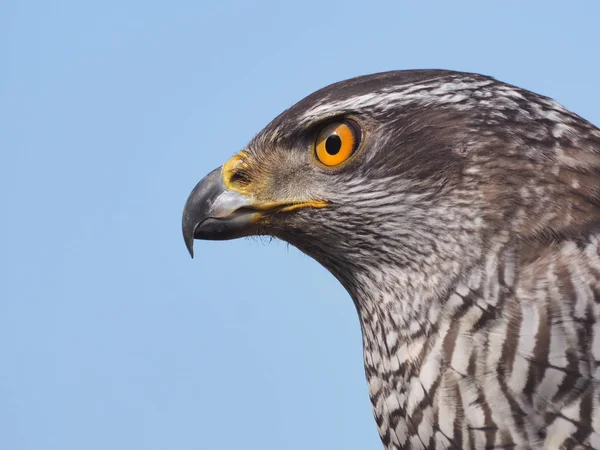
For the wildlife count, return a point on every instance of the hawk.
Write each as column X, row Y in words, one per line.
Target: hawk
column 462, row 215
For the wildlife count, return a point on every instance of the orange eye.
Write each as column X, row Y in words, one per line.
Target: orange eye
column 335, row 143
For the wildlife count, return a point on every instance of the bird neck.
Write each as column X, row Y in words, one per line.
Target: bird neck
column 402, row 312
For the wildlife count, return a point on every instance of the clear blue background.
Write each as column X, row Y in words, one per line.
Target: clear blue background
column 110, row 112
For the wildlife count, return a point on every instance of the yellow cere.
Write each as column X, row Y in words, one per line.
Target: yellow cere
column 230, row 168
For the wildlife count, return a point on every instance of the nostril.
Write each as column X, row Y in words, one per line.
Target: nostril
column 240, row 176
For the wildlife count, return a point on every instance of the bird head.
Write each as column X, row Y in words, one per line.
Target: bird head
column 409, row 170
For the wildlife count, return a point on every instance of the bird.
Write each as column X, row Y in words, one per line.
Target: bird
column 462, row 216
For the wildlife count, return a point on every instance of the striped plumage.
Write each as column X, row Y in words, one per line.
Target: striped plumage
column 467, row 232
column 507, row 360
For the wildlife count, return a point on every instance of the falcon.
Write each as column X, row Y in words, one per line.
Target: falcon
column 462, row 215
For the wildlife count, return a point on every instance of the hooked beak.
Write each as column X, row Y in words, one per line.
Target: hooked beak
column 215, row 212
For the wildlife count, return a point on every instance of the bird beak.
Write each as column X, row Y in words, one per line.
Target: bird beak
column 214, row 212
column 219, row 208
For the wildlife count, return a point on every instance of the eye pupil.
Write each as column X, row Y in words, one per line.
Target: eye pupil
column 333, row 144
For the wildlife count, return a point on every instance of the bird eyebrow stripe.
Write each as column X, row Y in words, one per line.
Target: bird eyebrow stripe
column 445, row 92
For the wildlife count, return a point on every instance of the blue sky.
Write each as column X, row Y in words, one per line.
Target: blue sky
column 110, row 112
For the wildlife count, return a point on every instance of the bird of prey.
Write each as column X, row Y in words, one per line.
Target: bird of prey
column 462, row 215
